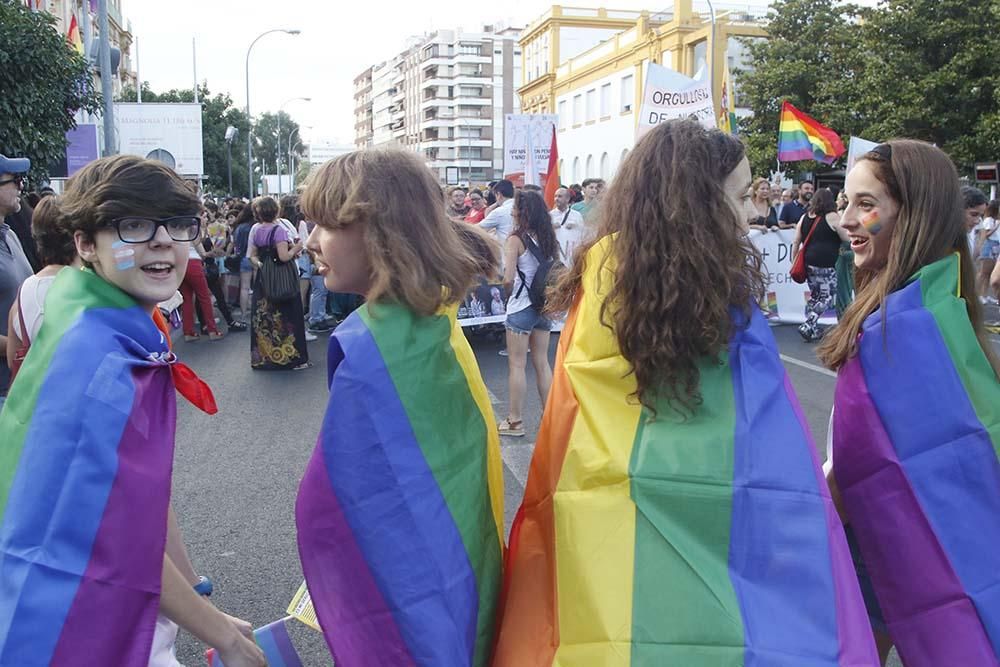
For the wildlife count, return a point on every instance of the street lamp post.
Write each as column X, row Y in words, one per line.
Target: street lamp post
column 291, row 170
column 278, row 153
column 231, row 134
column 250, row 130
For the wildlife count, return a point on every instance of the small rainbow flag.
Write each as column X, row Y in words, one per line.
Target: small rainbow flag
column 400, row 511
column 73, row 35
column 800, row 137
column 85, row 467
column 916, row 439
column 700, row 541
column 274, row 641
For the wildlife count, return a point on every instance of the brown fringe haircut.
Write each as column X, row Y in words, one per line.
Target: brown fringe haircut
column 682, row 260
column 930, row 225
column 418, row 257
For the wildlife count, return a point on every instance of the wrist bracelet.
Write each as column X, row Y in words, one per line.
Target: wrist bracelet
column 204, row 586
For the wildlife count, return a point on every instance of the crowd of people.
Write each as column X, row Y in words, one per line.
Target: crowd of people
column 675, row 493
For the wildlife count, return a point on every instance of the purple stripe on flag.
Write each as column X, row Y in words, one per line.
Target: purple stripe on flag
column 352, row 607
column 853, row 628
column 925, row 606
column 273, row 639
column 116, row 603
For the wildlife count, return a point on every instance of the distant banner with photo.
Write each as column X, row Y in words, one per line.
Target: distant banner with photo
column 485, row 304
column 785, row 300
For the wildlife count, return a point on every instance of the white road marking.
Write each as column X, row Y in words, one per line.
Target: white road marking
column 517, row 458
column 806, row 364
column 493, row 397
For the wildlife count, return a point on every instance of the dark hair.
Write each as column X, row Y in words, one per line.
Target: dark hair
column 805, row 181
column 973, row 196
column 121, row 185
column 289, row 209
column 588, row 181
column 243, row 214
column 822, row 202
column 476, row 191
column 678, row 260
column 533, row 217
column 211, row 206
column 265, row 209
column 53, row 241
column 32, row 198
column 531, row 187
column 505, row 188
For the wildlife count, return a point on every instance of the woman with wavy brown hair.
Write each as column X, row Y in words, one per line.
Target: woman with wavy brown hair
column 675, row 511
column 916, row 424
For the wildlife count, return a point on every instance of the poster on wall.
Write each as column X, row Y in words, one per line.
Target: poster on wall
column 521, row 131
column 668, row 95
column 167, row 132
column 785, row 300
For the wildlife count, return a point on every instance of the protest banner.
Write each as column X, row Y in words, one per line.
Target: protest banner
column 857, row 147
column 519, row 132
column 669, row 94
column 784, row 300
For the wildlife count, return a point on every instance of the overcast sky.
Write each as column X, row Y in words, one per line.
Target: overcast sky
column 338, row 41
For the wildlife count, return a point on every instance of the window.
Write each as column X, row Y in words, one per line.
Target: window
column 604, row 167
column 605, row 100
column 563, row 120
column 591, row 105
column 589, row 173
column 577, row 109
column 628, row 93
column 576, row 170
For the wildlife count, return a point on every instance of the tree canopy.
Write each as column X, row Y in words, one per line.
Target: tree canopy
column 44, row 81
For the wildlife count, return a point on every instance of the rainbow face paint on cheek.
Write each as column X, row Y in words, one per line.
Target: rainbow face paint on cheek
column 872, row 223
column 124, row 255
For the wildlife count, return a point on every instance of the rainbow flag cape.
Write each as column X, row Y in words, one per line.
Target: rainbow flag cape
column 400, row 511
column 87, row 437
column 800, row 137
column 274, row 641
column 709, row 541
column 916, row 434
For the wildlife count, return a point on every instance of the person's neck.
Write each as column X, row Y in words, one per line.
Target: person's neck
column 562, row 209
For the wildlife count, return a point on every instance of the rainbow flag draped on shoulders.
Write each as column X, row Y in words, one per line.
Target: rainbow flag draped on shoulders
column 709, row 541
column 916, row 436
column 400, row 511
column 800, row 137
column 86, row 450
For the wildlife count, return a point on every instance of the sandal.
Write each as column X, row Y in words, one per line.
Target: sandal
column 513, row 429
column 216, row 335
column 302, row 367
column 191, row 339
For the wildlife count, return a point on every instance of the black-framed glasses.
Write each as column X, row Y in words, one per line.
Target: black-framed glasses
column 19, row 179
column 134, row 229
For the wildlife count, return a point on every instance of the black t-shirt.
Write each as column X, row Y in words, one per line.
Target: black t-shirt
column 824, row 246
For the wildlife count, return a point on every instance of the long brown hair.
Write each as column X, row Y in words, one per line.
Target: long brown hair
column 418, row 257
column 681, row 260
column 930, row 225
column 533, row 217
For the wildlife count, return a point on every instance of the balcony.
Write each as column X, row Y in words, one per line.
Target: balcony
column 436, row 102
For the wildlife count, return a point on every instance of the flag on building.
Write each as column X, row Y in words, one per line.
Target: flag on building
column 727, row 109
column 274, row 641
column 73, row 35
column 800, row 137
column 552, row 173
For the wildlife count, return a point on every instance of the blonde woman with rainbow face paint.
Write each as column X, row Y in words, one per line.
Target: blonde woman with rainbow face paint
column 916, row 426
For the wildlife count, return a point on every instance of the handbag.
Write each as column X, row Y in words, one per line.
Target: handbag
column 798, row 272
column 278, row 281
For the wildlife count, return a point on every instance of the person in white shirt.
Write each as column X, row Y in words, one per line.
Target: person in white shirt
column 988, row 242
column 500, row 219
column 568, row 225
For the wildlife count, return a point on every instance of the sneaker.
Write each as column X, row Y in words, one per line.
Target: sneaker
column 511, row 428
column 504, row 353
column 319, row 327
column 237, row 326
column 310, row 337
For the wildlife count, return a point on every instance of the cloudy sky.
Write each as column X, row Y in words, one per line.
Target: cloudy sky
column 339, row 40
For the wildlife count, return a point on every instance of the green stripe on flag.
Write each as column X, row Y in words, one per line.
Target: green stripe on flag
column 684, row 609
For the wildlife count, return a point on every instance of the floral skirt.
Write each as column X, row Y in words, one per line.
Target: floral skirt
column 277, row 334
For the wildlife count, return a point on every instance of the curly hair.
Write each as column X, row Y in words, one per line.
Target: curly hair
column 418, row 257
column 680, row 258
column 533, row 217
column 54, row 242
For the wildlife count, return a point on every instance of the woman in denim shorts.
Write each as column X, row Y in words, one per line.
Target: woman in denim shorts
column 527, row 328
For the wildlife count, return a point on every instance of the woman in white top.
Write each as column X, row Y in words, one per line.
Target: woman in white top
column 532, row 243
column 988, row 245
column 56, row 251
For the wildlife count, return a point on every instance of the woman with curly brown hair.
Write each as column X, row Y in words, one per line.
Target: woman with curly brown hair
column 675, row 511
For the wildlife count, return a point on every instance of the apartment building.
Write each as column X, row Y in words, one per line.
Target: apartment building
column 363, row 109
column 588, row 66
column 445, row 97
column 121, row 35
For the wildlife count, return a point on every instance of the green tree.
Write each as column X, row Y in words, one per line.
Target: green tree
column 811, row 52
column 932, row 74
column 218, row 113
column 43, row 82
column 265, row 134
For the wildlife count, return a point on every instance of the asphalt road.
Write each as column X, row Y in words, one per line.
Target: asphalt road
column 236, row 473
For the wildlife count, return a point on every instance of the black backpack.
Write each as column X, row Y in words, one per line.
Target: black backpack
column 547, row 274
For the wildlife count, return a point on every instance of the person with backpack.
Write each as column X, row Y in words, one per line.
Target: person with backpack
column 530, row 263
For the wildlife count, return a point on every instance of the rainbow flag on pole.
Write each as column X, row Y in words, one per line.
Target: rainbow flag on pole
column 73, row 35
column 916, row 437
column 87, row 436
column 400, row 511
column 800, row 137
column 701, row 542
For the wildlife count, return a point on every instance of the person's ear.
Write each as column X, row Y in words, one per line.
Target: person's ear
column 86, row 247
